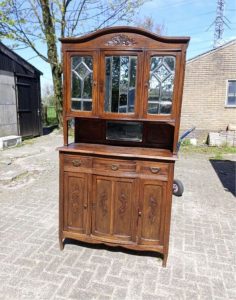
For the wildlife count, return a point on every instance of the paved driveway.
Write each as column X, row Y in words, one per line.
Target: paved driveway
column 201, row 262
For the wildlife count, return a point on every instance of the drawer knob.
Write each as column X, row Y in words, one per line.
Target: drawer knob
column 155, row 170
column 76, row 162
column 114, row 167
column 85, row 206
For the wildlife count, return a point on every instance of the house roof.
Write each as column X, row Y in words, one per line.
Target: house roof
column 212, row 51
column 17, row 58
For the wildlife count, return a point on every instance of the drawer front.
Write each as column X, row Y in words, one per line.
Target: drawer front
column 76, row 162
column 153, row 168
column 111, row 165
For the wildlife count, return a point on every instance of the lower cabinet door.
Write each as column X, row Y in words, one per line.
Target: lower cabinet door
column 75, row 202
column 152, row 211
column 114, row 209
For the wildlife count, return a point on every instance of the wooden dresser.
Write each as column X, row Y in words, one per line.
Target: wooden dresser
column 122, row 95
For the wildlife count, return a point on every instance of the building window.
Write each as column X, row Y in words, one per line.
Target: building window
column 231, row 94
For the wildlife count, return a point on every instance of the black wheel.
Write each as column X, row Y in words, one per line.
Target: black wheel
column 178, row 188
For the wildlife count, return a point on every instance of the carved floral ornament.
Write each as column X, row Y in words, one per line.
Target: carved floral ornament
column 120, row 40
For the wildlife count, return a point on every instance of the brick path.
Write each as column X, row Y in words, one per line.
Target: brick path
column 201, row 262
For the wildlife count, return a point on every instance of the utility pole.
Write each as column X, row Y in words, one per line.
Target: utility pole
column 219, row 22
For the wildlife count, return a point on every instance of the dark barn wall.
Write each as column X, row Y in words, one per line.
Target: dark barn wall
column 9, row 65
column 21, row 88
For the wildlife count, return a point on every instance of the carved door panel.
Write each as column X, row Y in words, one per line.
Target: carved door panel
column 152, row 198
column 124, row 209
column 102, row 188
column 76, row 202
column 113, row 208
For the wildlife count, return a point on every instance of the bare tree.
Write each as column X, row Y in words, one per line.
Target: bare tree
column 34, row 23
column 149, row 24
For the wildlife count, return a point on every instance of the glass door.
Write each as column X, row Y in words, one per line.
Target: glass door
column 83, row 83
column 160, row 85
column 119, row 95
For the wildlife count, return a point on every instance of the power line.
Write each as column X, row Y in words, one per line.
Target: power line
column 176, row 4
column 191, row 17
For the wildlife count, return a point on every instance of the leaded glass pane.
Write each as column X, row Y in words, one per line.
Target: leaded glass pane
column 161, row 84
column 81, row 83
column 120, row 83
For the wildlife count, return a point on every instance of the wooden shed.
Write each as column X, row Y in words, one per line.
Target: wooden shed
column 20, row 99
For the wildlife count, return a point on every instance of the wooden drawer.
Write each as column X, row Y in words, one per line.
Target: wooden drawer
column 76, row 162
column 111, row 165
column 153, row 168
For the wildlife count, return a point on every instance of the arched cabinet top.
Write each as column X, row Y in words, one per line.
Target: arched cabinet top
column 126, row 37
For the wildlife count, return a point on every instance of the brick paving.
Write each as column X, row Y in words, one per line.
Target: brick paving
column 201, row 262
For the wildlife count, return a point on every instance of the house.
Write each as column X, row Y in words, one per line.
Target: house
column 20, row 99
column 209, row 98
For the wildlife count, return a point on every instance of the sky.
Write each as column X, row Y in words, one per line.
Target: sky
column 180, row 18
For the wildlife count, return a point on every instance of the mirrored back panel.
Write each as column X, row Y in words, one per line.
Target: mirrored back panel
column 161, row 84
column 120, row 84
column 124, row 133
column 81, row 83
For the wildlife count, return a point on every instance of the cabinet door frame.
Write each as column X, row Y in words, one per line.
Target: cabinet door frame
column 67, row 209
column 146, row 76
column 138, row 88
column 115, row 238
column 68, row 81
column 163, row 185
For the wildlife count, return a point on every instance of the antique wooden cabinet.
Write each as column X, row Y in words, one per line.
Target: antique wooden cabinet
column 122, row 94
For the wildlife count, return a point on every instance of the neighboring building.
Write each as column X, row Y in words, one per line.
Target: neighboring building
column 209, row 98
column 20, row 99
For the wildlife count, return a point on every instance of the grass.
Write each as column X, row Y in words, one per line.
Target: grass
column 213, row 152
column 51, row 116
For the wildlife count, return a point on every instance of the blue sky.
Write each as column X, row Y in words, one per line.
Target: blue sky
column 180, row 17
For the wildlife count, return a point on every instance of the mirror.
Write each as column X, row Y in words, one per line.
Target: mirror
column 124, row 131
column 81, row 83
column 120, row 84
column 161, row 84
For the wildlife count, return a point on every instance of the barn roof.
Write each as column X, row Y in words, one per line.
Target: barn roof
column 18, row 59
column 212, row 50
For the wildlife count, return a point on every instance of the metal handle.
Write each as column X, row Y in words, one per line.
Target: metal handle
column 114, row 167
column 139, row 213
column 85, row 206
column 155, row 170
column 76, row 162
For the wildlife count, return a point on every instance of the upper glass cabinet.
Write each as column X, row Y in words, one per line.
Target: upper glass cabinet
column 120, row 84
column 81, row 83
column 161, row 85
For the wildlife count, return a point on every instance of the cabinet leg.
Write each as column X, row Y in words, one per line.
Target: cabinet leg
column 61, row 243
column 164, row 261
